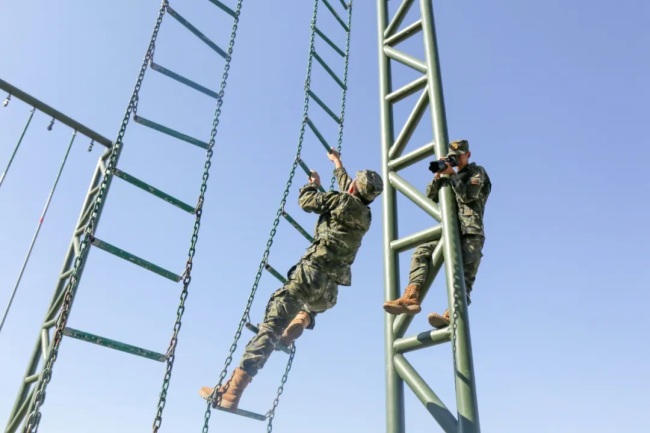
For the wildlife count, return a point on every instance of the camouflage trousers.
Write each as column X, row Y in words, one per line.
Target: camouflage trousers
column 308, row 289
column 471, row 246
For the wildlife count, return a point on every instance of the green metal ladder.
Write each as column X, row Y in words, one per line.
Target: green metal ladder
column 26, row 411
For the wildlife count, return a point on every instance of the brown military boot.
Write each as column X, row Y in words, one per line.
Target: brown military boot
column 230, row 392
column 409, row 303
column 295, row 328
column 438, row 321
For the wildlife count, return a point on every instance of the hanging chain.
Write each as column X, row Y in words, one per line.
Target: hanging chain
column 70, row 289
column 246, row 315
column 345, row 88
column 271, row 413
column 187, row 275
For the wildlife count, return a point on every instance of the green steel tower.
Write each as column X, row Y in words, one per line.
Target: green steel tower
column 429, row 86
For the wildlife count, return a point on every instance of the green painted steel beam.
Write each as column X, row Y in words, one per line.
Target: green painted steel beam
column 397, row 20
column 345, row 5
column 275, row 273
column 422, row 201
column 224, row 8
column 113, row 344
column 134, row 259
column 404, row 34
column 329, row 70
column 466, row 399
column 319, row 135
column 43, row 107
column 410, row 125
column 173, row 75
column 405, row 59
column 324, row 107
column 429, row 399
column 336, row 15
column 329, row 42
column 413, row 157
column 422, row 340
column 407, row 90
column 412, row 241
column 165, row 130
column 395, row 416
column 196, row 32
column 297, row 226
column 153, row 190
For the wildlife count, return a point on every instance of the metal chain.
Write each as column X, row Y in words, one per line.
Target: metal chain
column 70, row 289
column 271, row 413
column 345, row 88
column 246, row 315
column 187, row 275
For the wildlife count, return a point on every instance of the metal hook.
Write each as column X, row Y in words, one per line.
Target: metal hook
column 49, row 127
column 6, row 101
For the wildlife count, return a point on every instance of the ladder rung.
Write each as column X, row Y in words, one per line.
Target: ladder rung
column 297, row 226
column 112, row 344
column 319, row 135
column 224, row 8
column 336, row 15
column 155, row 191
column 134, row 259
column 324, row 107
column 243, row 412
column 329, row 42
column 329, row 71
column 275, row 273
column 186, row 81
column 308, row 172
column 345, row 5
column 196, row 32
column 278, row 346
column 158, row 127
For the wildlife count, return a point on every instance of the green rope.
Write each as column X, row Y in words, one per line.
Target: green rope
column 20, row 140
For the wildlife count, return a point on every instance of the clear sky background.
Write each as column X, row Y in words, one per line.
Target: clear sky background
column 553, row 99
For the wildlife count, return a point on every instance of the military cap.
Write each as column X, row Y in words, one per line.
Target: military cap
column 369, row 184
column 458, row 147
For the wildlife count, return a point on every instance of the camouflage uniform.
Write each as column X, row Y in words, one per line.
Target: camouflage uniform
column 343, row 221
column 472, row 187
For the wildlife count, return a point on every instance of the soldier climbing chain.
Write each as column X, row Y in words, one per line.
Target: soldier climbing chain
column 187, row 277
column 34, row 418
column 215, row 398
column 246, row 315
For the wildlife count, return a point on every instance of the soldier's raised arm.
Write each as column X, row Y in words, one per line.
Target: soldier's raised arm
column 311, row 199
column 341, row 174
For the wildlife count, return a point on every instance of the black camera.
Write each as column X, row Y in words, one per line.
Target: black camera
column 439, row 164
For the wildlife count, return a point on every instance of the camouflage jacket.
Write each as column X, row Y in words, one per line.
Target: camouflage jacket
column 472, row 187
column 343, row 221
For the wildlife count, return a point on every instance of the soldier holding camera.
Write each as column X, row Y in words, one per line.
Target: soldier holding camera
column 471, row 186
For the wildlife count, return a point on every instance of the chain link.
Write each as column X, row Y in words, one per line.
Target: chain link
column 270, row 415
column 345, row 88
column 34, row 418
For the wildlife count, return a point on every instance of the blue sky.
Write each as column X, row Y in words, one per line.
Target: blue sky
column 551, row 96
